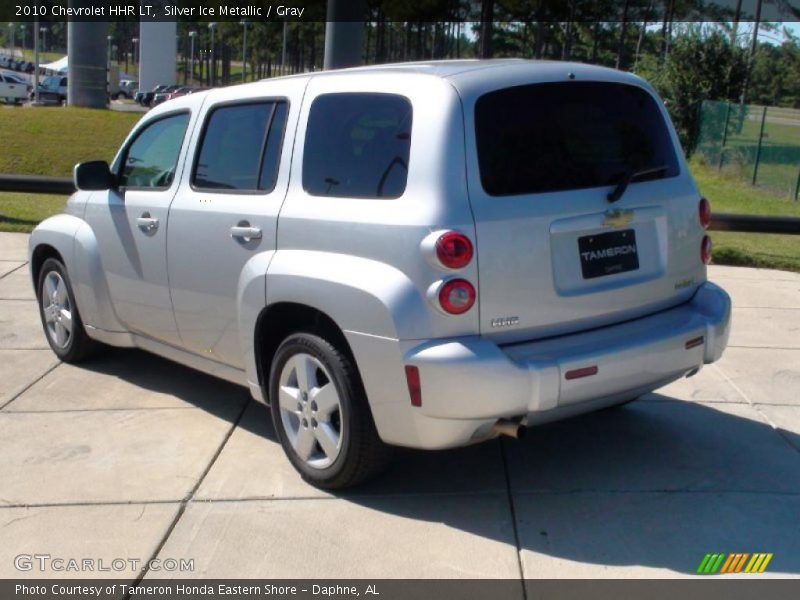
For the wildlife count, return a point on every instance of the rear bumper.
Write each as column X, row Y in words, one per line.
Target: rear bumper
column 468, row 383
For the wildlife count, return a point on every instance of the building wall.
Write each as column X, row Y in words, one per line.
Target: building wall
column 157, row 53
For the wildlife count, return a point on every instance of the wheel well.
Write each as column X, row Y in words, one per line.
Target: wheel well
column 278, row 321
column 40, row 254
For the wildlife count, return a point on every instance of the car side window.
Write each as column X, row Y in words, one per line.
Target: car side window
column 240, row 148
column 357, row 145
column 151, row 159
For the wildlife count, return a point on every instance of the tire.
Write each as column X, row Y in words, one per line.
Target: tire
column 325, row 426
column 67, row 337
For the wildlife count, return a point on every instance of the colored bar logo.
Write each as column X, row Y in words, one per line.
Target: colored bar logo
column 736, row 562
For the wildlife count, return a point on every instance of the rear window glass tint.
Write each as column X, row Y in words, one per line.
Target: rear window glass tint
column 561, row 136
column 240, row 147
column 357, row 146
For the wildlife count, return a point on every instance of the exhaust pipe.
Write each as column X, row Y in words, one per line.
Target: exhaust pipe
column 509, row 428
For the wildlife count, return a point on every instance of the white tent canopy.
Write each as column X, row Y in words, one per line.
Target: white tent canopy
column 59, row 66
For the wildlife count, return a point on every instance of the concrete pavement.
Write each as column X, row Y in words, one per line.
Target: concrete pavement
column 130, row 456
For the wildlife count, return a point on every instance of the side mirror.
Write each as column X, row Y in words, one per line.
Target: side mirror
column 93, row 175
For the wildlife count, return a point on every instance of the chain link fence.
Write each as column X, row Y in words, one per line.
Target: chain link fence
column 759, row 144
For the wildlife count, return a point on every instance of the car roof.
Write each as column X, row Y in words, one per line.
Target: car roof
column 452, row 69
column 475, row 76
column 471, row 77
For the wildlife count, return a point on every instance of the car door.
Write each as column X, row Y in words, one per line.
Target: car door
column 226, row 213
column 10, row 89
column 130, row 224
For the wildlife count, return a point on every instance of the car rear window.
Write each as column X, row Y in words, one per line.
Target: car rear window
column 357, row 145
column 560, row 136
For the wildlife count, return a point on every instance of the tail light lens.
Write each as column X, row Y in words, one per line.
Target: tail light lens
column 704, row 212
column 457, row 296
column 414, row 385
column 705, row 250
column 454, row 250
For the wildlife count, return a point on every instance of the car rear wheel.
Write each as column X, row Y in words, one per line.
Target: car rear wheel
column 321, row 414
column 60, row 318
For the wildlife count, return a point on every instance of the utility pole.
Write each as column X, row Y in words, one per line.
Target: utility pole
column 36, row 61
column 344, row 33
column 283, row 47
column 244, row 51
column 213, row 70
column 192, row 35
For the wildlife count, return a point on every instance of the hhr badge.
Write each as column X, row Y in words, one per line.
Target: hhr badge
column 617, row 218
column 505, row 322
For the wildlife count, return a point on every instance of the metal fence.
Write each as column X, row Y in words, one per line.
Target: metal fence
column 36, row 184
column 759, row 144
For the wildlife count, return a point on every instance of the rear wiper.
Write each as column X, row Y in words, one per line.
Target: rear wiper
column 616, row 194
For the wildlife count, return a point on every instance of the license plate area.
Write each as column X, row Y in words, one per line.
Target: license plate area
column 608, row 253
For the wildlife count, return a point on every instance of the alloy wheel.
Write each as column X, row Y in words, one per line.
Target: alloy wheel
column 310, row 410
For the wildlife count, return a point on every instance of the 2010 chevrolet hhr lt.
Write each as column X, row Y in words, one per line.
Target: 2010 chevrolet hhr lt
column 424, row 255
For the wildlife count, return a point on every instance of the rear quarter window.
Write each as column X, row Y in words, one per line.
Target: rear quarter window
column 559, row 136
column 357, row 145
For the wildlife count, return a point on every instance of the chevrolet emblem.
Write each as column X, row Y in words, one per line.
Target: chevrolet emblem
column 617, row 218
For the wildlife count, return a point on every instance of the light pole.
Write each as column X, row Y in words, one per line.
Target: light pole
column 24, row 31
column 213, row 71
column 43, row 30
column 135, row 50
column 11, row 29
column 244, row 51
column 108, row 54
column 283, row 48
column 36, row 61
column 192, row 35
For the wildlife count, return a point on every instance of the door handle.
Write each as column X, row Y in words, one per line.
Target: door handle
column 147, row 223
column 245, row 233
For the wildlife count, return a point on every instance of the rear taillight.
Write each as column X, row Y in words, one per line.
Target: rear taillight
column 456, row 296
column 704, row 212
column 705, row 250
column 454, row 250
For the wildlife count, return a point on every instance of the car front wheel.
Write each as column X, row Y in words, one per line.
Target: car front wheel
column 321, row 414
column 60, row 318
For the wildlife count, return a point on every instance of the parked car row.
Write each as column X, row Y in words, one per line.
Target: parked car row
column 17, row 64
column 162, row 93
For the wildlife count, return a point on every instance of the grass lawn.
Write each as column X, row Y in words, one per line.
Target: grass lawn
column 22, row 212
column 730, row 195
column 50, row 141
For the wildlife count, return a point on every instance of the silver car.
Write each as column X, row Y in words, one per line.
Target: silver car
column 424, row 255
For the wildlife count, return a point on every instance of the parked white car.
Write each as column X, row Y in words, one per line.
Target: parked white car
column 13, row 88
column 424, row 255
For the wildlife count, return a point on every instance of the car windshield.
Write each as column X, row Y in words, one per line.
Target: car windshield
column 51, row 82
column 561, row 136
